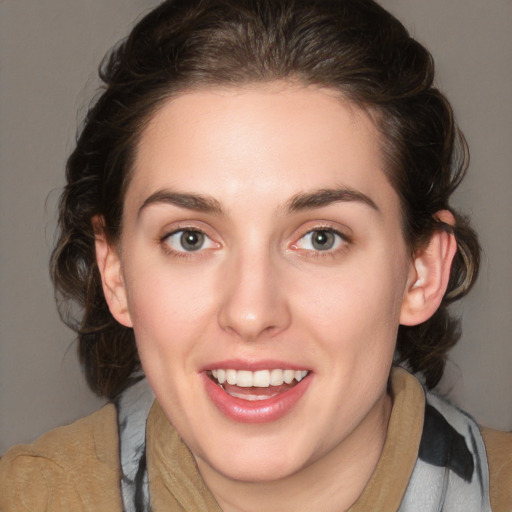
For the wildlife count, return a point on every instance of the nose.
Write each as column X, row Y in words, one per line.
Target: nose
column 254, row 301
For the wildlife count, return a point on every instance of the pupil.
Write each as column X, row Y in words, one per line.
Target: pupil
column 192, row 240
column 323, row 240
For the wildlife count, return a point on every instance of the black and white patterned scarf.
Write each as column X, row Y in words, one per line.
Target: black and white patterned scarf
column 451, row 473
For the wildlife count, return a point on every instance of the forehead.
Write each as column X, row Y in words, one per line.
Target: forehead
column 262, row 141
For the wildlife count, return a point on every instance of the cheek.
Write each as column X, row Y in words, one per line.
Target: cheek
column 168, row 320
column 167, row 306
column 373, row 292
column 357, row 307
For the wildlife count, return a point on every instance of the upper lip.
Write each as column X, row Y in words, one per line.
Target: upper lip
column 253, row 365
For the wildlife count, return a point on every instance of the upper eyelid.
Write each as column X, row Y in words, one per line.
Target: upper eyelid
column 185, row 226
column 333, row 230
column 163, row 239
column 344, row 242
column 173, row 231
column 344, row 231
column 169, row 245
column 343, row 237
column 181, row 230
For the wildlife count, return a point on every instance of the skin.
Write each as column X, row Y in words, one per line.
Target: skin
column 258, row 289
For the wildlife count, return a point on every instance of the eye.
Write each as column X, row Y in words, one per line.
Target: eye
column 188, row 240
column 320, row 240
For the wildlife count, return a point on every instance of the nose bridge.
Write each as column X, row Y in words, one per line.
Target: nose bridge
column 253, row 304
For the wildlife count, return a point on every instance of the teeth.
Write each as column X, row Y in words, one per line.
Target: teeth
column 288, row 376
column 231, row 377
column 250, row 398
column 244, row 379
column 276, row 377
column 260, row 378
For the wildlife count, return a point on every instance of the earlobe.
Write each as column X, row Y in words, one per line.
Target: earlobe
column 429, row 275
column 109, row 265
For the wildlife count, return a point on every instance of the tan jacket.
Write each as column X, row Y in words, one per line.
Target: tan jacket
column 76, row 468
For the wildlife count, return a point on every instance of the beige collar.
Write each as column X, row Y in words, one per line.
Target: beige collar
column 175, row 482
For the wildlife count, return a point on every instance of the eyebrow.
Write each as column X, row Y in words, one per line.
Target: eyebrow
column 196, row 202
column 327, row 196
column 299, row 202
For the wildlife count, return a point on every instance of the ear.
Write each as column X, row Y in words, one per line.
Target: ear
column 109, row 265
column 429, row 275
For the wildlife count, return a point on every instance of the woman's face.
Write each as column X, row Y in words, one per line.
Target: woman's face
column 262, row 243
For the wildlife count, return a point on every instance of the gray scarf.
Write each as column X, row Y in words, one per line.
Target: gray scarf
column 451, row 472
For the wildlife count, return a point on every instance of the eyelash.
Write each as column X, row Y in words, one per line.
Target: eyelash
column 342, row 243
column 168, row 249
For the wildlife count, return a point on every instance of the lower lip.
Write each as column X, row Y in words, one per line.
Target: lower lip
column 258, row 411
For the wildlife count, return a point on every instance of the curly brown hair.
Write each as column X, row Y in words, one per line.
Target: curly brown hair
column 353, row 46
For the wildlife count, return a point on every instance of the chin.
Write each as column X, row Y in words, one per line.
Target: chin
column 265, row 459
column 258, row 471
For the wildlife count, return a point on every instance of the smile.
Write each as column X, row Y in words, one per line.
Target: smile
column 255, row 396
column 260, row 378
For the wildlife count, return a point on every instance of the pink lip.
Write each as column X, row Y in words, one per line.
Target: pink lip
column 253, row 366
column 259, row 411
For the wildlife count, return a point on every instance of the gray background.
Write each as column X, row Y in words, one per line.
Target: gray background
column 49, row 51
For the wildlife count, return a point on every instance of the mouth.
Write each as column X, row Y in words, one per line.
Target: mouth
column 257, row 385
column 260, row 396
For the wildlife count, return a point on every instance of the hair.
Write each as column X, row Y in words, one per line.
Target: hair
column 352, row 46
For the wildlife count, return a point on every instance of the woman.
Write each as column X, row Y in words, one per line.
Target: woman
column 257, row 221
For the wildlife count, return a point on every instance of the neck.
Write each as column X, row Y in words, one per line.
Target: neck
column 331, row 483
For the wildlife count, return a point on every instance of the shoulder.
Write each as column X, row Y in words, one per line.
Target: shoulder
column 499, row 455
column 69, row 445
column 75, row 467
column 487, row 445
